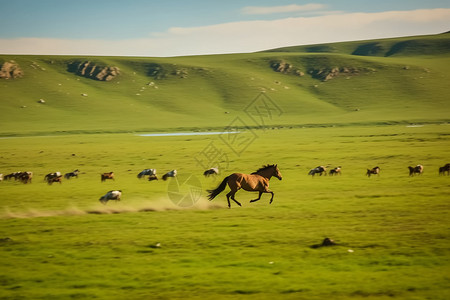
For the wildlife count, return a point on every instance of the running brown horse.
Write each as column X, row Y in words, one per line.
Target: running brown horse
column 257, row 181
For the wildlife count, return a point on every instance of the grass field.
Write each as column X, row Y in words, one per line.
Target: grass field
column 387, row 107
column 59, row 242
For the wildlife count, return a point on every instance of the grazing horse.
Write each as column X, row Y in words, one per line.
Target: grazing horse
column 373, row 171
column 172, row 173
column 72, row 174
column 335, row 171
column 257, row 181
column 15, row 175
column 8, row 176
column 25, row 177
column 152, row 177
column 444, row 169
column 49, row 176
column 212, row 171
column 50, row 180
column 111, row 195
column 417, row 169
column 147, row 172
column 318, row 170
column 105, row 176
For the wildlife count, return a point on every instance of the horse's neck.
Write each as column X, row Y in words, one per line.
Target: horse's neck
column 266, row 173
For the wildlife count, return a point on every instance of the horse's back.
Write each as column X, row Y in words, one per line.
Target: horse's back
column 248, row 182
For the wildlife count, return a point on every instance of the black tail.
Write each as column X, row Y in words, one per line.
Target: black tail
column 218, row 190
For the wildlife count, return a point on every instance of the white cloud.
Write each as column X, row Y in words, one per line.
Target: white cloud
column 247, row 36
column 264, row 10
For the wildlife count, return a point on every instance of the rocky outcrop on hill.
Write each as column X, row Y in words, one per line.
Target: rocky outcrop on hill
column 326, row 74
column 10, row 69
column 163, row 71
column 285, row 68
column 321, row 73
column 281, row 66
column 91, row 70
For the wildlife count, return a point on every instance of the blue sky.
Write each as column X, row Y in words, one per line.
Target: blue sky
column 176, row 27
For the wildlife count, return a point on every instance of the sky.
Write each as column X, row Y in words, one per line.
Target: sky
column 196, row 27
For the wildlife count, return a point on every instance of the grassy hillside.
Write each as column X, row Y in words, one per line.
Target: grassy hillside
column 180, row 93
column 58, row 242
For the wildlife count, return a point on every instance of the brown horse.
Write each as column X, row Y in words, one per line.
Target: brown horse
column 444, row 169
column 26, row 177
column 50, row 180
column 105, row 176
column 257, row 181
column 335, row 171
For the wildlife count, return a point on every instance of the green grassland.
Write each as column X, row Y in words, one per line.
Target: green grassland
column 64, row 244
column 59, row 242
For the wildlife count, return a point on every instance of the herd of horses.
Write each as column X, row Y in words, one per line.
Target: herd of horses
column 24, row 177
column 417, row 170
column 321, row 170
column 50, row 178
column 257, row 181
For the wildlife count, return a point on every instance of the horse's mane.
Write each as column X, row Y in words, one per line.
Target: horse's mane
column 263, row 168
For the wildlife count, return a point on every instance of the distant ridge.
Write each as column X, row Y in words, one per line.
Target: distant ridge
column 438, row 44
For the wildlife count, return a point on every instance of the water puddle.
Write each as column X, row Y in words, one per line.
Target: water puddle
column 187, row 133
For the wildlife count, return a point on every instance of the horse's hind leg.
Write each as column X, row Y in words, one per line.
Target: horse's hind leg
column 271, row 199
column 228, row 199
column 231, row 195
column 237, row 202
column 259, row 197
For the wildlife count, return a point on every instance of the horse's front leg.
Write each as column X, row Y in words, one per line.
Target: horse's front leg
column 259, row 197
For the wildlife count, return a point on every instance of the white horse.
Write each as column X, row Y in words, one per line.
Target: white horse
column 212, row 171
column 318, row 170
column 111, row 195
column 172, row 173
column 146, row 172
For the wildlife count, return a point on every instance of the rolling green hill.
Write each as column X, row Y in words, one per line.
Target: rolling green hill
column 406, row 46
column 366, row 82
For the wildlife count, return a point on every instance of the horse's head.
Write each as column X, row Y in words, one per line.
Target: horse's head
column 277, row 173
